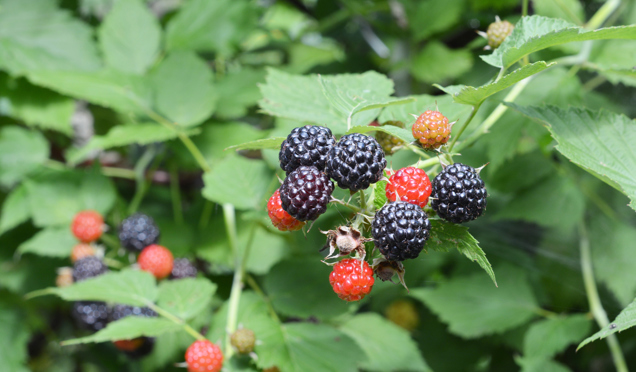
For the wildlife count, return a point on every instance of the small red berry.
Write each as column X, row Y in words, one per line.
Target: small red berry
column 431, row 129
column 204, row 356
column 82, row 250
column 129, row 345
column 351, row 280
column 157, row 260
column 87, row 226
column 281, row 219
column 412, row 186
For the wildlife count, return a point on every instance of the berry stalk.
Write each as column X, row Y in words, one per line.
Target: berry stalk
column 463, row 127
column 595, row 301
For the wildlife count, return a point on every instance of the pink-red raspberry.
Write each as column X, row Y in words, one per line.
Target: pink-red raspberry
column 411, row 185
column 87, row 226
column 351, row 280
column 204, row 356
column 431, row 129
column 157, row 260
column 82, row 250
column 281, row 219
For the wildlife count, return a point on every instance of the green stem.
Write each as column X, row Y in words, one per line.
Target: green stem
column 110, row 241
column 595, row 301
column 594, row 83
column 602, row 14
column 169, row 316
column 426, row 163
column 418, row 151
column 363, row 201
column 118, row 172
column 187, row 142
column 497, row 113
column 524, row 8
column 235, row 292
column 112, row 263
column 140, row 176
column 352, row 207
column 175, row 194
column 256, row 288
column 464, row 125
column 205, row 214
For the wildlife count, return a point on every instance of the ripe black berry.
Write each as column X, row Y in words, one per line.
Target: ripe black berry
column 306, row 145
column 88, row 267
column 355, row 162
column 183, row 268
column 137, row 232
column 400, row 230
column 91, row 314
column 458, row 194
column 305, row 193
column 121, row 311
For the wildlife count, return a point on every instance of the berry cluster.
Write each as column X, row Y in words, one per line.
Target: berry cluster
column 312, row 158
column 138, row 234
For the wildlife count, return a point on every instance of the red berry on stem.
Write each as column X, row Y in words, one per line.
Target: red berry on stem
column 87, row 226
column 157, row 260
column 204, row 356
column 411, row 184
column 351, row 279
column 82, row 250
column 281, row 219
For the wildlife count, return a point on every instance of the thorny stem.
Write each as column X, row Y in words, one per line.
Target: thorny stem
column 237, row 282
column 169, row 316
column 350, row 206
column 595, row 301
column 463, row 127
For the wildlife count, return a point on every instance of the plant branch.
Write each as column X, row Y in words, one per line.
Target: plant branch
column 595, row 301
column 602, row 14
column 464, row 125
column 256, row 288
column 177, row 320
column 350, row 206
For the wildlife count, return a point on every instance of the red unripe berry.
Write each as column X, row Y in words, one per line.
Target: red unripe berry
column 129, row 345
column 157, row 260
column 87, row 226
column 204, row 356
column 281, row 219
column 351, row 279
column 431, row 129
column 412, row 186
column 82, row 250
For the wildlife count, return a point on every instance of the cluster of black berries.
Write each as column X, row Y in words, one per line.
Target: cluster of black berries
column 312, row 158
column 135, row 233
column 400, row 229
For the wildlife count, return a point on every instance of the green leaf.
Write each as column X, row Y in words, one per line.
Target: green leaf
column 56, row 197
column 379, row 194
column 268, row 143
column 36, row 35
column 626, row 319
column 598, row 141
column 616, row 67
column 125, row 93
column 123, row 135
column 15, row 209
column 433, row 16
column 553, row 202
column 426, row 64
column 216, row 26
column 14, row 337
column 128, row 328
column 129, row 37
column 312, row 296
column 237, row 181
column 186, row 297
column 474, row 96
column 21, row 152
column 238, row 91
column 294, row 347
column 612, row 244
column 570, row 10
column 534, row 33
column 301, row 98
column 35, row 106
column 540, row 365
column 387, row 346
column 349, row 100
column 407, row 113
column 129, row 287
column 401, row 133
column 548, row 337
column 52, row 242
column 446, row 236
column 183, row 88
column 473, row 307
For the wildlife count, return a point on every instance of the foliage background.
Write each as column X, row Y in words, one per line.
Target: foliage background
column 132, row 69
